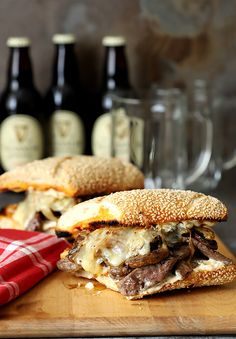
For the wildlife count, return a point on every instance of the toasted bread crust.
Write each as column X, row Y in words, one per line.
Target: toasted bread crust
column 219, row 276
column 143, row 208
column 75, row 176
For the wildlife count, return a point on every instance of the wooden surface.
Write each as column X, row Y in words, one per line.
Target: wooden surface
column 58, row 307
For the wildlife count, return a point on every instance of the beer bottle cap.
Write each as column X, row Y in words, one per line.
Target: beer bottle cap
column 18, row 41
column 63, row 39
column 113, row 41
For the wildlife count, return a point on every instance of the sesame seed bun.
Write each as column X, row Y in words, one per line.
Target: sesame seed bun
column 143, row 208
column 75, row 176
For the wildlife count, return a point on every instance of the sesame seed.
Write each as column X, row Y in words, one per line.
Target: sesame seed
column 149, row 207
column 75, row 176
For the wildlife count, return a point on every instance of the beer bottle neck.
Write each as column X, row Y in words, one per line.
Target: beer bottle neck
column 65, row 67
column 19, row 68
column 115, row 73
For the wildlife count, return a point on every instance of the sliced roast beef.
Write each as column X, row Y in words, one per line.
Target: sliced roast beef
column 78, row 243
column 182, row 252
column 150, row 275
column 119, row 272
column 68, row 266
column 36, row 223
column 208, row 242
column 146, row 276
column 184, row 268
column 210, row 253
column 151, row 258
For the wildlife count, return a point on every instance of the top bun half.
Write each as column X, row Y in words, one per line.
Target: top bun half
column 143, row 208
column 74, row 176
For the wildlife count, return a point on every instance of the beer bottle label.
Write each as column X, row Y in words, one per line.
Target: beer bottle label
column 121, row 136
column 124, row 140
column 21, row 140
column 128, row 137
column 137, row 141
column 67, row 135
column 101, row 136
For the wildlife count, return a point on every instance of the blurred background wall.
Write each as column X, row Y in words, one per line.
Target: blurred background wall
column 169, row 41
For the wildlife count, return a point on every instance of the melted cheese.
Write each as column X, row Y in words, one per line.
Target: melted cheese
column 208, row 265
column 113, row 245
column 45, row 202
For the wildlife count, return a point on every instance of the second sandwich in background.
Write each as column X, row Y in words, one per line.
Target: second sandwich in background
column 55, row 184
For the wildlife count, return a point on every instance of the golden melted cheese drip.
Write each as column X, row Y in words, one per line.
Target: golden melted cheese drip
column 114, row 245
column 45, row 202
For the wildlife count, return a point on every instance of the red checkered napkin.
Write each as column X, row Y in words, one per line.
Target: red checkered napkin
column 26, row 258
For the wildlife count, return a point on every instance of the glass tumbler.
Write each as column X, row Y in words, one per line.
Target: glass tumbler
column 151, row 132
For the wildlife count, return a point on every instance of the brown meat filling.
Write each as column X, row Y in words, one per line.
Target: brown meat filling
column 142, row 272
column 151, row 258
column 180, row 261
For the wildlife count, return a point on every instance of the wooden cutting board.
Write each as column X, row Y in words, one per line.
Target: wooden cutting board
column 58, row 307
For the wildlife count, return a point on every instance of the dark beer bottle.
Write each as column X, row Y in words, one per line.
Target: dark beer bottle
column 115, row 79
column 66, row 134
column 21, row 138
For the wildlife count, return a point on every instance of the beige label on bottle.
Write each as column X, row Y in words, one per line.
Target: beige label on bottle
column 121, row 136
column 67, row 135
column 21, row 140
column 127, row 140
column 137, row 141
column 128, row 137
column 101, row 136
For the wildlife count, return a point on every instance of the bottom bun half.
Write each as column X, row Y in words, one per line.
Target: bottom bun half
column 220, row 276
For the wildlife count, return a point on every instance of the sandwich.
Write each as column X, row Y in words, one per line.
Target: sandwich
column 142, row 242
column 55, row 184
